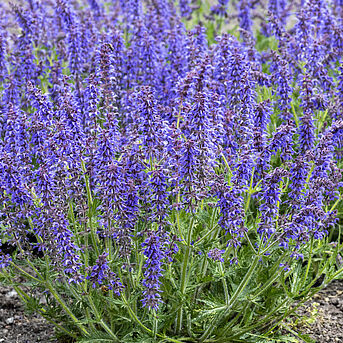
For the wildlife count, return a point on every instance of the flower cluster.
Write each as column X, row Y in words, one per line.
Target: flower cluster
column 135, row 133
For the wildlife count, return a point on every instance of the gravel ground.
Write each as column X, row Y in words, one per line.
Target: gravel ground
column 18, row 327
column 328, row 306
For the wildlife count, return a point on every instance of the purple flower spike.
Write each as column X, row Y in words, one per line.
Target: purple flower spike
column 216, row 254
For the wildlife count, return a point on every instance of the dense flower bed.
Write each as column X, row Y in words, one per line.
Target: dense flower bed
column 170, row 169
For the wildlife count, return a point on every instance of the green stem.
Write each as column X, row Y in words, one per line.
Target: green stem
column 267, row 284
column 212, row 227
column 73, row 221
column 308, row 265
column 232, row 301
column 136, row 319
column 295, row 115
column 100, row 320
column 226, row 164
column 336, row 203
column 184, row 274
column 179, row 115
column 226, row 291
column 155, row 324
column 90, row 209
column 25, row 273
column 259, row 323
column 250, row 192
column 178, row 217
column 249, row 241
column 205, row 236
column 66, row 308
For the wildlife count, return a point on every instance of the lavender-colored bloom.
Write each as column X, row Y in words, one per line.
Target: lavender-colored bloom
column 316, row 68
column 11, row 182
column 158, row 18
column 5, row 260
column 153, row 266
column 198, row 152
column 216, row 255
column 278, row 8
column 109, row 70
column 101, row 274
column 196, row 46
column 3, row 61
column 90, row 113
column 159, row 195
column 188, row 173
column 270, row 196
column 304, row 38
column 231, row 205
column 222, row 62
column 276, row 27
column 176, row 48
column 323, row 155
column 306, row 130
column 11, row 93
column 297, row 176
column 26, row 68
column 282, row 79
column 242, row 95
column 273, row 6
column 71, row 26
column 244, row 15
column 133, row 9
column 152, row 129
column 338, row 8
column 157, row 247
column 253, row 55
column 15, row 139
column 261, row 121
column 220, row 8
column 185, row 9
column 42, row 118
column 243, row 168
column 337, row 132
column 75, row 49
column 339, row 92
column 143, row 63
column 25, row 21
column 96, row 8
column 282, row 141
column 65, row 13
column 262, row 116
column 50, row 224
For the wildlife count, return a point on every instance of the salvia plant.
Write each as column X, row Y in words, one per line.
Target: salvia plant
column 170, row 170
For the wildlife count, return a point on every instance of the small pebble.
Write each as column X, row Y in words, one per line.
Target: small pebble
column 334, row 301
column 11, row 294
column 9, row 320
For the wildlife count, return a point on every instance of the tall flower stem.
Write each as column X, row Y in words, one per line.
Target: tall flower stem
column 90, row 209
column 183, row 283
column 226, row 291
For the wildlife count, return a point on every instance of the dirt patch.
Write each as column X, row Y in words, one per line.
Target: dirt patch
column 18, row 327
column 323, row 315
